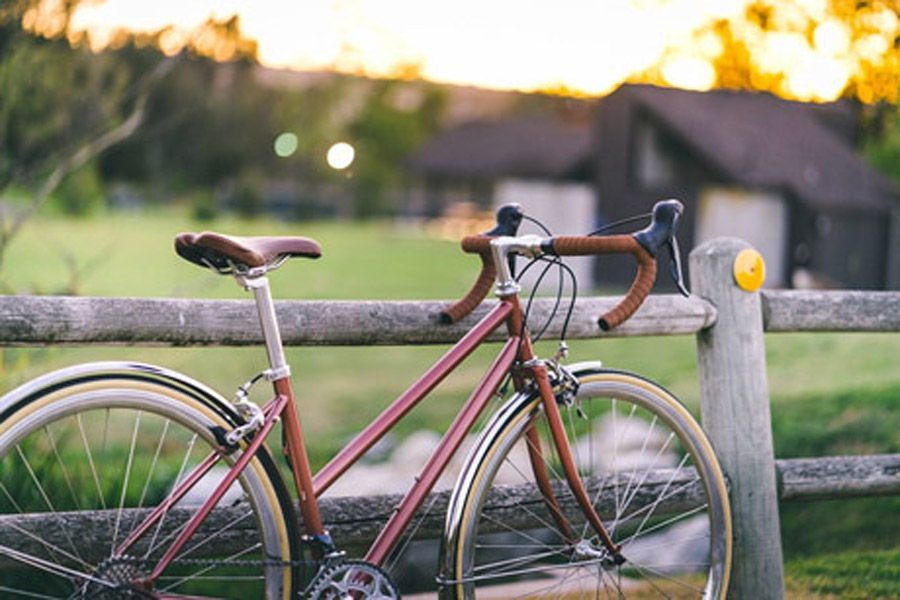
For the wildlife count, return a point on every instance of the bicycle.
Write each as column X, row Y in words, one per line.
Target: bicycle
column 184, row 499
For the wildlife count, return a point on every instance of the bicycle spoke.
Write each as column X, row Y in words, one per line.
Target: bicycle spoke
column 558, row 583
column 184, row 462
column 615, row 463
column 517, row 562
column 47, row 501
column 616, row 582
column 639, row 461
column 549, row 568
column 507, row 546
column 573, row 437
column 409, row 535
column 667, row 543
column 553, row 472
column 537, row 517
column 665, row 495
column 152, row 470
column 62, row 467
column 9, row 497
column 627, row 502
column 614, row 470
column 516, row 531
column 52, row 549
column 48, row 567
column 662, row 575
column 115, row 537
column 214, row 535
column 665, row 523
column 90, row 458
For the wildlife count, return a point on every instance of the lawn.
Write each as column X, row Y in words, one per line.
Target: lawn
column 831, row 393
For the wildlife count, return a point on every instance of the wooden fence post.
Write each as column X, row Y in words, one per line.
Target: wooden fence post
column 734, row 405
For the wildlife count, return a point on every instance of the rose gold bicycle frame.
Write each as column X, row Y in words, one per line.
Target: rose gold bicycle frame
column 517, row 348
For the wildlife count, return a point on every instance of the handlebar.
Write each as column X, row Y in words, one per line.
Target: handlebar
column 643, row 245
column 614, row 244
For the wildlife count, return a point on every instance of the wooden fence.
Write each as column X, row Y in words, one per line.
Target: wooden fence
column 729, row 324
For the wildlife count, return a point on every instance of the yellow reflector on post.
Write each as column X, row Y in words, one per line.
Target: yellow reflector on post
column 749, row 270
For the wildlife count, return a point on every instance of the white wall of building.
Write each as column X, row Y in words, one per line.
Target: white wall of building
column 760, row 218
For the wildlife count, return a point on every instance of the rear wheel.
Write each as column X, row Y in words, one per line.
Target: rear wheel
column 652, row 477
column 108, row 447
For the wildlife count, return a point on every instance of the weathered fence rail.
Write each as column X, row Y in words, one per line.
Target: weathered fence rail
column 39, row 320
column 355, row 521
column 729, row 324
column 33, row 320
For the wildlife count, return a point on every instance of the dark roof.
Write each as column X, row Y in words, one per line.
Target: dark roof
column 537, row 147
column 759, row 140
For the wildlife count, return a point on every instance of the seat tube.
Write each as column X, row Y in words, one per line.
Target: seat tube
column 265, row 308
column 295, row 449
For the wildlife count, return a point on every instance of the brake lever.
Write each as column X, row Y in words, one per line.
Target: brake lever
column 675, row 266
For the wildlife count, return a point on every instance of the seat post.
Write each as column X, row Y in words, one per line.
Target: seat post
column 265, row 308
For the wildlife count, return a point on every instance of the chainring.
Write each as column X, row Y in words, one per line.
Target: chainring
column 356, row 579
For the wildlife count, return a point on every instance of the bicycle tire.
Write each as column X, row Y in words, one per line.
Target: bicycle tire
column 501, row 540
column 114, row 438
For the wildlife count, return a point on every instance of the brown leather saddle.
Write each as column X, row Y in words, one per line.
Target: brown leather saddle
column 226, row 253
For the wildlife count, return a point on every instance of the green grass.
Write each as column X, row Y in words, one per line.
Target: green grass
column 132, row 255
column 864, row 420
column 848, row 575
column 831, row 393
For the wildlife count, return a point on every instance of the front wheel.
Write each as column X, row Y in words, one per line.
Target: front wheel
column 651, row 475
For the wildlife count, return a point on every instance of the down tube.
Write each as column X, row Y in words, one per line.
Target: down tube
column 444, row 452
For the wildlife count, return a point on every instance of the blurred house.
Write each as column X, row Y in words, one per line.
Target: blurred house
column 542, row 163
column 783, row 175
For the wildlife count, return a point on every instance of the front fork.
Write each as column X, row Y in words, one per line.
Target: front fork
column 570, row 470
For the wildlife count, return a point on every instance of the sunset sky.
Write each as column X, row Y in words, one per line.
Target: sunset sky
column 587, row 46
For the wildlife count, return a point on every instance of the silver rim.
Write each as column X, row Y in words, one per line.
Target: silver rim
column 115, row 449
column 652, row 477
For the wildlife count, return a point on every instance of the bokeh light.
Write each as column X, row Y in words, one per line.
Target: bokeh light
column 340, row 156
column 286, row 144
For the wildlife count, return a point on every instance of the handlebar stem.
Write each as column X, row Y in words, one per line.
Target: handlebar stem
column 501, row 248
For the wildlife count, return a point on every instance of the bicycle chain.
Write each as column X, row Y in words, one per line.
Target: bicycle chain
column 210, row 562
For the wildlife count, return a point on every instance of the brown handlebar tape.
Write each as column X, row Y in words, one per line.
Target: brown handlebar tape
column 467, row 304
column 564, row 246
column 614, row 244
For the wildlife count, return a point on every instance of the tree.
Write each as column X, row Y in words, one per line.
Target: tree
column 797, row 49
column 63, row 106
column 883, row 148
column 396, row 118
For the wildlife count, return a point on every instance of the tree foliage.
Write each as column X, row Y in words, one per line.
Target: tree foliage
column 883, row 148
column 811, row 50
column 63, row 106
